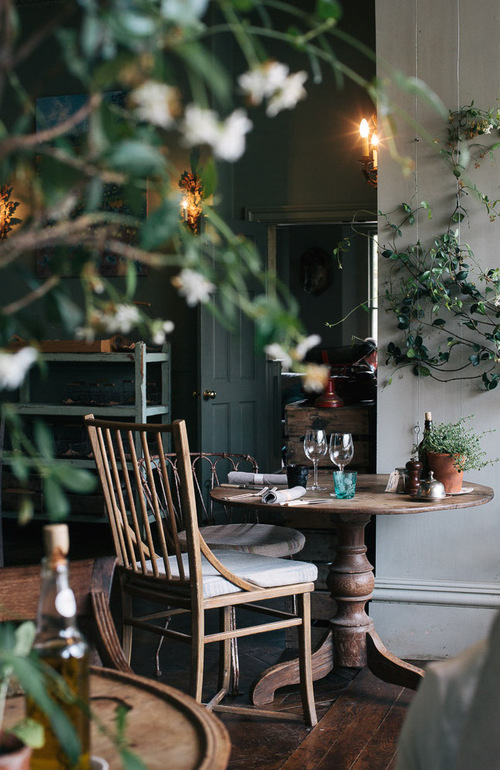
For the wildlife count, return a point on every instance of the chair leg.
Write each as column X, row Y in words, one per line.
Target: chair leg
column 305, row 662
column 197, row 654
column 127, row 631
column 225, row 649
column 158, row 670
column 235, row 659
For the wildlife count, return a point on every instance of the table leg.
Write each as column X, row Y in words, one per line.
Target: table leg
column 351, row 584
column 352, row 641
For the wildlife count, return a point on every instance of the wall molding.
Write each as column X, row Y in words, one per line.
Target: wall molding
column 348, row 212
column 433, row 592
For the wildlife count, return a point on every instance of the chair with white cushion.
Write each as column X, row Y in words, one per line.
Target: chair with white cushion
column 154, row 567
column 210, row 469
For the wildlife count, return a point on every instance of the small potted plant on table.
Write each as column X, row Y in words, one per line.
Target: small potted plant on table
column 452, row 448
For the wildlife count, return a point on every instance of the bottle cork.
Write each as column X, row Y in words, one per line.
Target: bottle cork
column 56, row 541
column 428, row 416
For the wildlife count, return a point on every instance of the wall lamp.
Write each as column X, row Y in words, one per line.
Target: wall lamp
column 369, row 159
column 191, row 203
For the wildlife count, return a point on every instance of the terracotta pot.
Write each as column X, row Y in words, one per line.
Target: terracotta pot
column 445, row 471
column 14, row 755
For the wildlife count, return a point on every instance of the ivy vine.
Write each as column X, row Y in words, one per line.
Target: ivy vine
column 446, row 305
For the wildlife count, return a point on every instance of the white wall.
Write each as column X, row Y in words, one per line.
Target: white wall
column 438, row 575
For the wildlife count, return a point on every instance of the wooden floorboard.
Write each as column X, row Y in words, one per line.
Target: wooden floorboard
column 360, row 717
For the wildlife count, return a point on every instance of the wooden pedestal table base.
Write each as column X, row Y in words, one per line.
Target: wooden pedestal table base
column 351, row 640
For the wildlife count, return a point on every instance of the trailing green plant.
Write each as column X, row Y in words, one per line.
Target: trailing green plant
column 466, row 124
column 458, row 441
column 446, row 305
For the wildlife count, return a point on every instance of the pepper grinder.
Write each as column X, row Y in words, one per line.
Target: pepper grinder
column 414, row 469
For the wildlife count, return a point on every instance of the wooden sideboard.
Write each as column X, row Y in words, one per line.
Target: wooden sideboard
column 359, row 419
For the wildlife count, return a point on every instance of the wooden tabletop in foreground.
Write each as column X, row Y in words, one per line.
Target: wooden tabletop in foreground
column 164, row 727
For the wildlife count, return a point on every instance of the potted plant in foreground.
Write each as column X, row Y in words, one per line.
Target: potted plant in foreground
column 451, row 449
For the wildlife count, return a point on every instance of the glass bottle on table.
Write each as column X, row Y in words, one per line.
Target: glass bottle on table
column 422, row 454
column 61, row 646
column 315, row 447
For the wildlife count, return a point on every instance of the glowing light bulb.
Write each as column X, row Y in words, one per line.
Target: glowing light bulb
column 364, row 131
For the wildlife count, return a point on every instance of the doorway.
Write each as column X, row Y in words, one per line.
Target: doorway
column 343, row 308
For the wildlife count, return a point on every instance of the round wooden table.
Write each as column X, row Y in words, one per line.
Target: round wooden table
column 164, row 727
column 352, row 640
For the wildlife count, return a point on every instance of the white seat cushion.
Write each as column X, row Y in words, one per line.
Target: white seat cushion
column 263, row 539
column 265, row 571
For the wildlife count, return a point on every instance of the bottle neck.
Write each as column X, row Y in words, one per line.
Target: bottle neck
column 57, row 606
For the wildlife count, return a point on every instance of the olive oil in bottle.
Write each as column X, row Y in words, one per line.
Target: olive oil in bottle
column 60, row 644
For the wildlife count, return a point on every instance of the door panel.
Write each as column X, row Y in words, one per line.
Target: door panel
column 237, row 418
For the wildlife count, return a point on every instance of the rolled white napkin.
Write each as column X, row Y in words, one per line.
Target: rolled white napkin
column 273, row 479
column 283, row 495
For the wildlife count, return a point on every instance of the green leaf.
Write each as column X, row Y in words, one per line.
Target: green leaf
column 44, row 440
column 209, row 178
column 161, row 225
column 131, row 761
column 137, row 158
column 75, row 479
column 427, row 207
column 24, row 636
column 328, row 9
column 29, row 732
column 439, row 322
column 56, row 502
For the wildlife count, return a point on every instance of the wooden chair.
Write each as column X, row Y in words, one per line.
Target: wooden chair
column 90, row 580
column 154, row 568
column 210, row 469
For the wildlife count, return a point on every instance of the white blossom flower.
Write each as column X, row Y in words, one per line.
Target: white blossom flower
column 13, row 367
column 200, row 125
column 86, row 333
column 183, row 11
column 157, row 103
column 305, row 345
column 122, row 320
column 316, row 378
column 160, row 329
column 230, row 144
column 263, row 81
column 227, row 137
column 291, row 91
column 193, row 286
column 118, row 318
column 277, row 353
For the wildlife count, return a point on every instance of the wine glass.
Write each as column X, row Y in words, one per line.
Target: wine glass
column 341, row 449
column 315, row 447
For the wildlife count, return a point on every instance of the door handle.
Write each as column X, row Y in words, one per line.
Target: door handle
column 209, row 394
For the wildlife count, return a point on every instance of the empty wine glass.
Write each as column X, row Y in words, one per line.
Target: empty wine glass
column 341, row 449
column 315, row 447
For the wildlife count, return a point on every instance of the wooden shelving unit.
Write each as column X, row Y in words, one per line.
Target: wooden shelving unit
column 131, row 385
